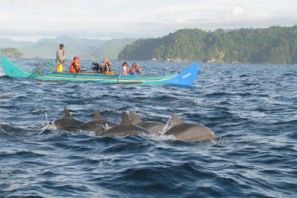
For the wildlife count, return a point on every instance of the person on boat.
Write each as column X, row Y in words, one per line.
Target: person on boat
column 135, row 70
column 74, row 67
column 96, row 67
column 106, row 66
column 125, row 69
column 60, row 58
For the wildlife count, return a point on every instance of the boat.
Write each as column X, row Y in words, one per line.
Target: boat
column 185, row 77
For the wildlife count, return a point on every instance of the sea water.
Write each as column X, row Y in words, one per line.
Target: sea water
column 251, row 108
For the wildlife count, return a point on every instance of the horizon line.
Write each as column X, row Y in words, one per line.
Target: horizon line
column 36, row 38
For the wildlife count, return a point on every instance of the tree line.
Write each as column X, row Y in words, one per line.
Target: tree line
column 263, row 45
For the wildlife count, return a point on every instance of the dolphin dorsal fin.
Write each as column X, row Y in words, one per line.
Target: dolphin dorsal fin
column 66, row 113
column 134, row 118
column 172, row 122
column 175, row 120
column 97, row 116
column 130, row 118
column 126, row 118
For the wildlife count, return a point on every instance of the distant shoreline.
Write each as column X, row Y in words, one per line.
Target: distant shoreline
column 273, row 45
column 276, row 45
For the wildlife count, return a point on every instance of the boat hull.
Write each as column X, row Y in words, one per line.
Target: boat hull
column 186, row 77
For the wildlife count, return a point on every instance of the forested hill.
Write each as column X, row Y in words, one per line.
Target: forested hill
column 268, row 45
column 10, row 52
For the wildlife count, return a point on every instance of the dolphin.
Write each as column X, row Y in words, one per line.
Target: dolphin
column 98, row 124
column 67, row 122
column 126, row 128
column 2, row 131
column 153, row 127
column 188, row 132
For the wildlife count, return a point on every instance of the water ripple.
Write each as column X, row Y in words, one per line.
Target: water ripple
column 250, row 107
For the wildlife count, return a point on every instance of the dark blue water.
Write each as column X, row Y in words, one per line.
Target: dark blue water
column 251, row 108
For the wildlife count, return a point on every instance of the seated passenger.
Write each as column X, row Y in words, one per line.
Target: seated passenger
column 74, row 67
column 96, row 67
column 106, row 66
column 135, row 70
column 125, row 69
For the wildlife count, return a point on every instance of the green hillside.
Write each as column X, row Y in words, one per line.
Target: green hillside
column 10, row 52
column 266, row 45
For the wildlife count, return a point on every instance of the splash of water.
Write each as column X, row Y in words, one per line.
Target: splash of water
column 48, row 124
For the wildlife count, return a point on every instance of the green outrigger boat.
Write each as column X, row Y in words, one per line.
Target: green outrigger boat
column 185, row 77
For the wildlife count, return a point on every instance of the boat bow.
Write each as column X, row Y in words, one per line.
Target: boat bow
column 12, row 70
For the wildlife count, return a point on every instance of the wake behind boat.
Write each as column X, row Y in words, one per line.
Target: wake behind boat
column 185, row 77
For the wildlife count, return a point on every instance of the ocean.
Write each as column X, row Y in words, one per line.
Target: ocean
column 251, row 109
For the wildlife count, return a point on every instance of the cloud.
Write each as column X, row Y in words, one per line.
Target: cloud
column 142, row 18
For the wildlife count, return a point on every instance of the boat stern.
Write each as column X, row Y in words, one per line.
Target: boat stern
column 185, row 77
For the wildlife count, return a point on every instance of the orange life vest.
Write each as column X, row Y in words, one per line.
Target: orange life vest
column 74, row 66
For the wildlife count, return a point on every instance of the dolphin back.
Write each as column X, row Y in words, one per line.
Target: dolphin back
column 152, row 126
column 68, row 124
column 191, row 133
column 124, row 130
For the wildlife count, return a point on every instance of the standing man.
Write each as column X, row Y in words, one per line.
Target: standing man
column 60, row 58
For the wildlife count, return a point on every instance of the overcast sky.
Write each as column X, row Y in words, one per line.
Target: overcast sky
column 32, row 19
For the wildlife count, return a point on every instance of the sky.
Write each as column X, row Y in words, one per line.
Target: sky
column 34, row 19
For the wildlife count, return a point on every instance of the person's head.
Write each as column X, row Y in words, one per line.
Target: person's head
column 136, row 66
column 61, row 46
column 105, row 59
column 125, row 64
column 75, row 60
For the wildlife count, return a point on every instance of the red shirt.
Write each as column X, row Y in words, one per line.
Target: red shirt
column 74, row 68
